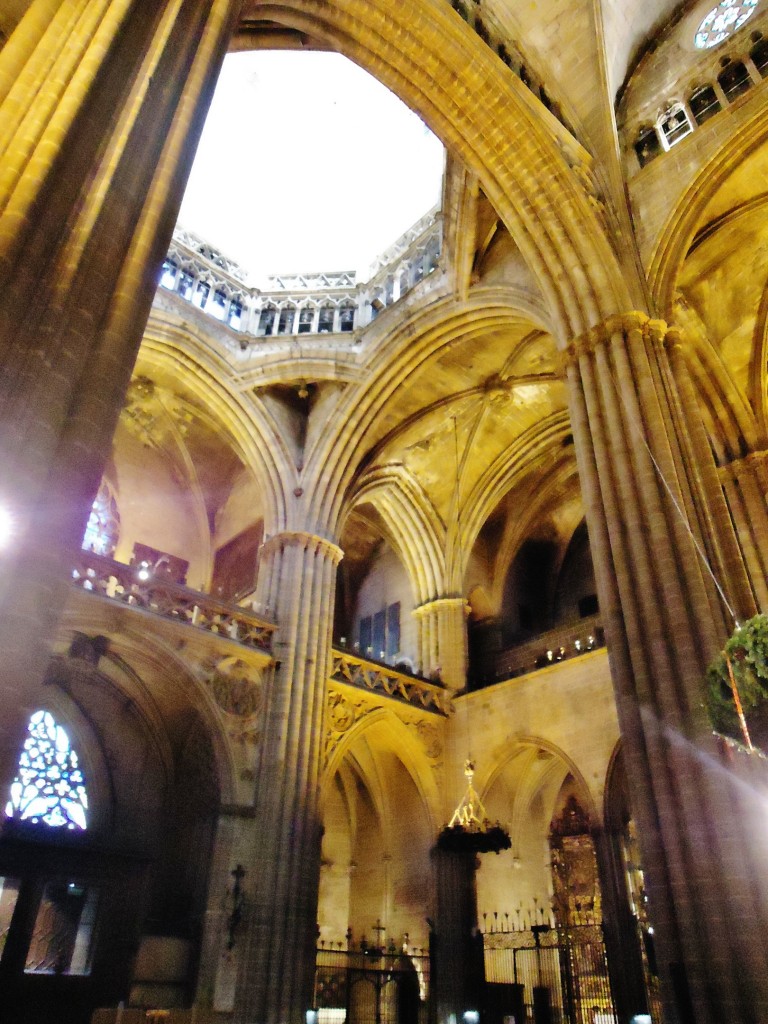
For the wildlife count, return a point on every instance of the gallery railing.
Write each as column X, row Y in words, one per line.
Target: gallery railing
column 541, row 651
column 162, row 596
column 334, row 303
column 378, row 678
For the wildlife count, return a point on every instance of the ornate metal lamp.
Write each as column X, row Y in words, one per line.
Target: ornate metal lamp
column 470, row 830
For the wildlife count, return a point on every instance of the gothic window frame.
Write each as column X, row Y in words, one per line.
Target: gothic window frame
column 325, row 322
column 267, row 319
column 704, row 103
column 285, row 319
column 169, row 273
column 347, row 316
column 674, row 125
column 102, row 531
column 305, row 320
column 236, row 312
column 734, row 80
column 50, row 786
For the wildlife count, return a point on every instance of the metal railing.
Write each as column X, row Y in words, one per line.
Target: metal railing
column 549, row 973
column 372, row 983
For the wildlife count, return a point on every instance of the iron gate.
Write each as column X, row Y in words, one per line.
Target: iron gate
column 372, row 985
column 549, row 975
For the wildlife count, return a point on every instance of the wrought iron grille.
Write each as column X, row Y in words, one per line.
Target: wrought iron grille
column 554, row 974
column 366, row 984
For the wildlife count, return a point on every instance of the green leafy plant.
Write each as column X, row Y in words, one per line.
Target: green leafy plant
column 747, row 651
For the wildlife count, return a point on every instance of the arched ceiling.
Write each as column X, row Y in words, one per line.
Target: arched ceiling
column 626, row 27
column 449, row 431
column 194, row 446
column 464, row 406
column 449, row 446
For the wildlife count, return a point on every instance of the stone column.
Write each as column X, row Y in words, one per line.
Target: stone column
column 622, row 941
column 442, row 639
column 647, row 499
column 101, row 104
column 709, row 504
column 297, row 577
column 456, row 944
column 745, row 482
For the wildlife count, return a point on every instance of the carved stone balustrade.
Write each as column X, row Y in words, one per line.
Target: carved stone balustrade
column 380, row 679
column 159, row 595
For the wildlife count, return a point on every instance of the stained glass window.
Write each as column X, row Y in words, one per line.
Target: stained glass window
column 103, row 527
column 49, row 786
column 722, row 21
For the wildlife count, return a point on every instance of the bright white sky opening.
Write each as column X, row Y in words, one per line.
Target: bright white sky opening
column 307, row 163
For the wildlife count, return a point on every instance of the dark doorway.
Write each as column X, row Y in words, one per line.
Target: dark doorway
column 69, row 925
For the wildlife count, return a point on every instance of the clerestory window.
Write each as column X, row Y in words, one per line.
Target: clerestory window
column 267, row 320
column 647, row 146
column 759, row 55
column 285, row 322
column 49, row 786
column 168, row 274
column 675, row 125
column 734, row 80
column 235, row 314
column 306, row 316
column 347, row 318
column 704, row 104
column 325, row 320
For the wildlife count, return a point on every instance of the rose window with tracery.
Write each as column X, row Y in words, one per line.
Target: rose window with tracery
column 722, row 21
column 49, row 786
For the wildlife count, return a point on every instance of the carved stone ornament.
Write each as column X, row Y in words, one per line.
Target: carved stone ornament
column 236, row 688
column 430, row 738
column 341, row 714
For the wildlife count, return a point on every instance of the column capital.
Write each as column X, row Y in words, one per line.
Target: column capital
column 751, row 460
column 306, row 541
column 440, row 603
column 618, row 323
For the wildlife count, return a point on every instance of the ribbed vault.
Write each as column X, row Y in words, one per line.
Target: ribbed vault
column 415, row 530
column 255, row 436
column 371, row 418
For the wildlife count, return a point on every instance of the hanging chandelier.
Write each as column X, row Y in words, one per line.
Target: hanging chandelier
column 470, row 830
